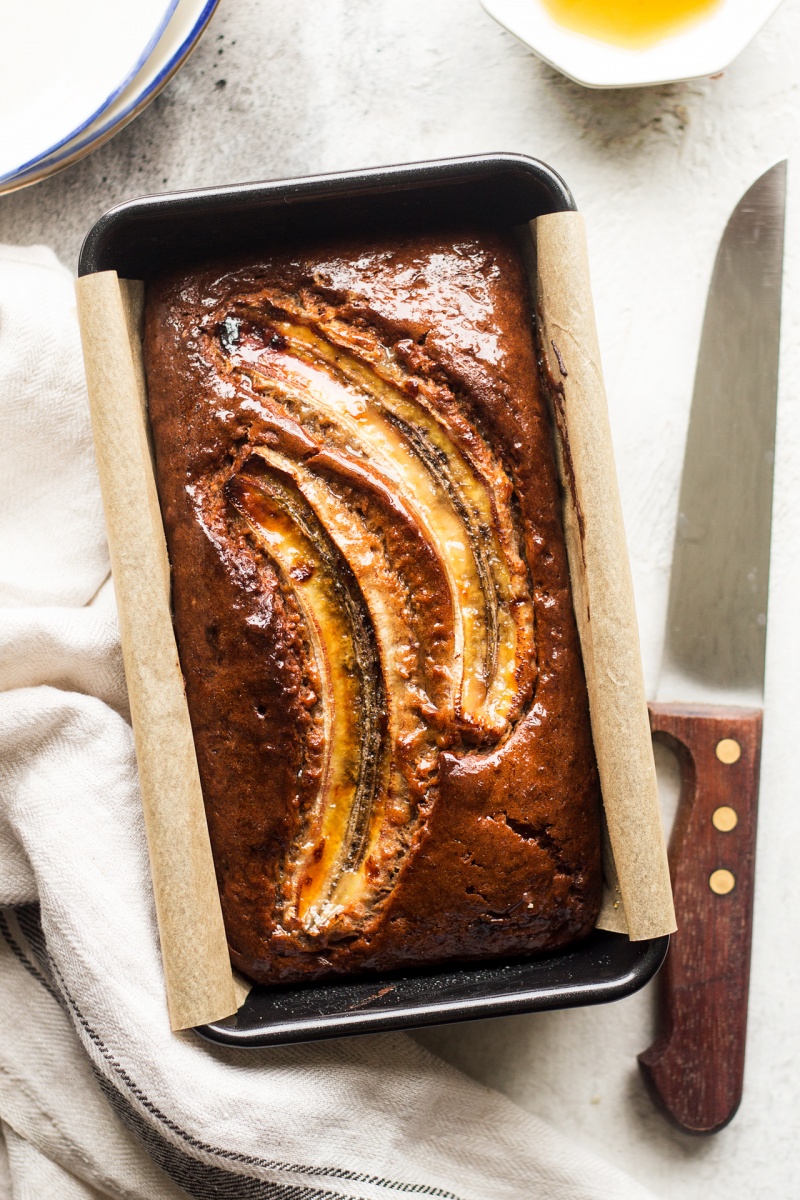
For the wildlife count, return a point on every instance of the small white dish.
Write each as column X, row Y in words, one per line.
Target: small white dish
column 704, row 48
column 187, row 22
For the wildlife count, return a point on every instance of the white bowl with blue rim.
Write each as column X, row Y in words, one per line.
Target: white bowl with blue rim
column 63, row 95
column 701, row 48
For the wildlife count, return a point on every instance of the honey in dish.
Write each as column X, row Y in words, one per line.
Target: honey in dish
column 631, row 23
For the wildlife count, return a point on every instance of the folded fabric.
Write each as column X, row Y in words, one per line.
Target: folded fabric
column 97, row 1096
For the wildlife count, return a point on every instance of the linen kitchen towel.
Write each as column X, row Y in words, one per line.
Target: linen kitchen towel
column 97, row 1096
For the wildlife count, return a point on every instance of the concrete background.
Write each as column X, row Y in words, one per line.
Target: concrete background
column 277, row 90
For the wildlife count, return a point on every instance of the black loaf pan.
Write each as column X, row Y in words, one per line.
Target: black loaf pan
column 143, row 237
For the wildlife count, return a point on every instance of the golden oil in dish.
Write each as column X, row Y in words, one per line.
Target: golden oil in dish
column 631, row 23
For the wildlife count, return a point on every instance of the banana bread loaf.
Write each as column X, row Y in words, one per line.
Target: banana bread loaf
column 372, row 604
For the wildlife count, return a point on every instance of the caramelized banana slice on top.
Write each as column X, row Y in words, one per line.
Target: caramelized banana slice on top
column 346, row 403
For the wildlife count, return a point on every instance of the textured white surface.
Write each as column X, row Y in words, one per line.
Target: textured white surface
column 351, row 83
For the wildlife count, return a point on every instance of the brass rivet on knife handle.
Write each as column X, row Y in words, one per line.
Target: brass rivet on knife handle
column 724, row 818
column 728, row 751
column 197, row 969
column 722, row 881
column 601, row 579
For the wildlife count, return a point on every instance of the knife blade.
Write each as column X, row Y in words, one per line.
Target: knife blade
column 710, row 689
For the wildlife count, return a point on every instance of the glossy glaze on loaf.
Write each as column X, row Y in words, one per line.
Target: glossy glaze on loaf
column 372, row 605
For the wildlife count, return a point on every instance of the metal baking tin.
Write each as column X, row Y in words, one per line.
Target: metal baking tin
column 143, row 237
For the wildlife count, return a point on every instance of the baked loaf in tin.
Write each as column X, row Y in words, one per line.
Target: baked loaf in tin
column 372, row 604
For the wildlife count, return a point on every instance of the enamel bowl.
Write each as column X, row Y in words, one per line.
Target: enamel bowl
column 177, row 31
column 704, row 48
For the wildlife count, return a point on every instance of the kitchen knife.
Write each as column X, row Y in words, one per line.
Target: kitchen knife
column 712, row 674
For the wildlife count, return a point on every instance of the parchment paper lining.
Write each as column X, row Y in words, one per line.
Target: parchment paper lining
column 638, row 899
column 196, row 962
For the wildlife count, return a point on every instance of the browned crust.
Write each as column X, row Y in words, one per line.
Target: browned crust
column 507, row 857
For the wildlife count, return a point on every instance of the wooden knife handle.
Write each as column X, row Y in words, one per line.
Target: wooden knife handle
column 696, row 1064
